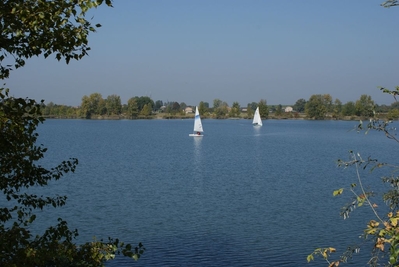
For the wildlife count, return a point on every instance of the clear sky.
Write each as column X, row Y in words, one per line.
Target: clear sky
column 234, row 50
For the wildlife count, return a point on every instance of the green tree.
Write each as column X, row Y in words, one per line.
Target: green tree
column 393, row 114
column 48, row 109
column 279, row 110
column 337, row 108
column 221, row 109
column 72, row 112
column 85, row 107
column 101, row 105
column 394, row 105
column 382, row 108
column 97, row 103
column 20, row 169
column 315, row 107
column 132, row 108
column 217, row 103
column 348, row 109
column 33, row 28
column 144, row 100
column 93, row 105
column 263, row 109
column 113, row 105
column 250, row 111
column 183, row 106
column 168, row 107
column 158, row 104
column 175, row 107
column 300, row 105
column 202, row 108
column 364, row 106
column 62, row 111
column 146, row 111
column 328, row 103
column 253, row 105
column 235, row 110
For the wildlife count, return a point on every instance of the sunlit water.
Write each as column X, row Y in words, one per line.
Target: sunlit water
column 239, row 196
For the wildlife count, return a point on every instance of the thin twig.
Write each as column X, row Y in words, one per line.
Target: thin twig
column 364, row 193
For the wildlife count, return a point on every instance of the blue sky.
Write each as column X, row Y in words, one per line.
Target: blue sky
column 234, row 50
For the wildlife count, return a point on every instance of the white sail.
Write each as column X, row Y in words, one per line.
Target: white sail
column 257, row 120
column 197, row 124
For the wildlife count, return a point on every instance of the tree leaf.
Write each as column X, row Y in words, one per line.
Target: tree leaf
column 338, row 192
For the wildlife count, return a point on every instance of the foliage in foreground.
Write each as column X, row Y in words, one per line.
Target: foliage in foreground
column 32, row 28
column 19, row 171
column 19, row 156
column 382, row 231
column 39, row 27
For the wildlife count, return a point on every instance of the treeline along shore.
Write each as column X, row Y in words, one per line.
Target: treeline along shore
column 317, row 107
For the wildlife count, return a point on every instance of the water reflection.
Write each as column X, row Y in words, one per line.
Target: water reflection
column 197, row 149
column 198, row 175
column 257, row 130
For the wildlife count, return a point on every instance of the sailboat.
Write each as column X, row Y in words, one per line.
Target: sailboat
column 257, row 120
column 198, row 130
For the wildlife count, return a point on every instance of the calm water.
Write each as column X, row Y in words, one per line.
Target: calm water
column 239, row 196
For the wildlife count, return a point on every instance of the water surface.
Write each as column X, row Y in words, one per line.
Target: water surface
column 239, row 196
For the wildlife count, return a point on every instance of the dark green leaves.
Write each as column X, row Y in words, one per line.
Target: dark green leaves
column 19, row 170
column 36, row 27
column 32, row 28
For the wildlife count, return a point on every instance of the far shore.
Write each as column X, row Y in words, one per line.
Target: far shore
column 163, row 116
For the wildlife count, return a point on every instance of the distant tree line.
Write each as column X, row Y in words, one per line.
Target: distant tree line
column 322, row 106
column 319, row 106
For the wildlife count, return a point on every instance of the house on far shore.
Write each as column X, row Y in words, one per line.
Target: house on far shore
column 188, row 110
column 288, row 109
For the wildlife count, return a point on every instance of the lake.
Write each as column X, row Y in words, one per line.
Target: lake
column 239, row 196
